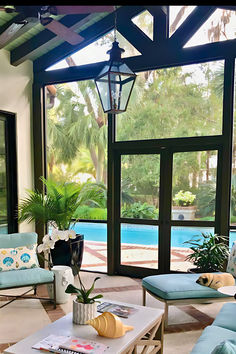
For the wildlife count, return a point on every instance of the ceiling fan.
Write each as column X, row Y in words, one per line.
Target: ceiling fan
column 42, row 14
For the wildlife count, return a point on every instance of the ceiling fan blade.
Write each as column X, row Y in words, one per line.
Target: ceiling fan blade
column 7, row 9
column 62, row 31
column 69, row 10
column 10, row 32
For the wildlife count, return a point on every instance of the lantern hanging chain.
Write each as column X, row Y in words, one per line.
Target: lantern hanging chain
column 115, row 26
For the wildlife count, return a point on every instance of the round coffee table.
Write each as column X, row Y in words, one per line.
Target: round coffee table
column 228, row 290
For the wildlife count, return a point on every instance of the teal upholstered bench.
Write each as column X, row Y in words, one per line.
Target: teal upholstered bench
column 179, row 289
column 223, row 329
column 22, row 277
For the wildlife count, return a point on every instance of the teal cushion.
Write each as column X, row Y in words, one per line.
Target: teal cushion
column 210, row 338
column 226, row 318
column 25, row 277
column 226, row 347
column 179, row 286
column 18, row 239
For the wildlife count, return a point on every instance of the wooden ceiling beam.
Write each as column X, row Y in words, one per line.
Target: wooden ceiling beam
column 228, row 7
column 160, row 22
column 43, row 39
column 191, row 25
column 90, row 34
column 133, row 33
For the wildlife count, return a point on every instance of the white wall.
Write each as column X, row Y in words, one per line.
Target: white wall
column 16, row 97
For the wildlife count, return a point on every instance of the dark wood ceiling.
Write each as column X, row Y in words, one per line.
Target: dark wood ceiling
column 35, row 42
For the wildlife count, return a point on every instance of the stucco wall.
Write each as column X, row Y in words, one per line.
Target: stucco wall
column 16, row 97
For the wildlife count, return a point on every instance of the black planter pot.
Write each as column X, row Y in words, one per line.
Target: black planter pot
column 69, row 252
column 198, row 270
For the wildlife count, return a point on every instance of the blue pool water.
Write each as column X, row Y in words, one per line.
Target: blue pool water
column 142, row 234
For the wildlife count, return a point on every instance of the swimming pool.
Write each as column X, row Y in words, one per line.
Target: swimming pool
column 142, row 234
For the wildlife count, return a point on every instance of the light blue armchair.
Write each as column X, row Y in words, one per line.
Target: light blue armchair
column 30, row 274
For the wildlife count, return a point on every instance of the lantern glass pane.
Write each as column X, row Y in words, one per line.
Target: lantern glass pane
column 120, row 67
column 126, row 90
column 103, row 88
column 115, row 85
column 104, row 70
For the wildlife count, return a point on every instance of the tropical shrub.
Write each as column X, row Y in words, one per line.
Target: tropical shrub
column 209, row 252
column 206, row 200
column 139, row 211
column 59, row 207
column 184, row 198
column 86, row 212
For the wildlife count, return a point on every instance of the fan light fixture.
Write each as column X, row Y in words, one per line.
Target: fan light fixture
column 115, row 82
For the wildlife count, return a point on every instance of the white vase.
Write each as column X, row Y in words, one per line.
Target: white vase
column 63, row 277
column 83, row 312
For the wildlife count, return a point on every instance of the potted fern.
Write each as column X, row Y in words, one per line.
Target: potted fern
column 85, row 305
column 59, row 210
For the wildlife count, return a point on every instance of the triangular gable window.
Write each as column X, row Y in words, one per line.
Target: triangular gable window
column 144, row 21
column 97, row 51
column 177, row 15
column 220, row 26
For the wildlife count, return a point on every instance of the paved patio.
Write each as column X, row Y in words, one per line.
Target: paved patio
column 95, row 256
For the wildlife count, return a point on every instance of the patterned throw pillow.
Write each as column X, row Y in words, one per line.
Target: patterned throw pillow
column 225, row 347
column 231, row 266
column 22, row 257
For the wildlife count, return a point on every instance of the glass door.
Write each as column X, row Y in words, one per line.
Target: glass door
column 3, row 181
column 139, row 210
column 8, row 180
column 194, row 183
column 165, row 199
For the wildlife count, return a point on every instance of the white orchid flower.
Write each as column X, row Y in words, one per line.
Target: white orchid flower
column 63, row 235
column 46, row 238
column 60, row 235
column 45, row 246
column 55, row 235
column 71, row 234
column 40, row 248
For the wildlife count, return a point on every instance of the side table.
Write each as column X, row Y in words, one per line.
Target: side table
column 228, row 290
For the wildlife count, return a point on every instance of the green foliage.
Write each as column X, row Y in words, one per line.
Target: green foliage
column 59, row 206
column 209, row 252
column 184, row 198
column 85, row 212
column 83, row 295
column 165, row 103
column 77, row 122
column 233, row 197
column 140, row 175
column 206, row 199
column 139, row 211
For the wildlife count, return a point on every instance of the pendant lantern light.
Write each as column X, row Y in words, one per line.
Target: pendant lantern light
column 116, row 80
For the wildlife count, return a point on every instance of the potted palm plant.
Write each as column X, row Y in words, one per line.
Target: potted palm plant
column 209, row 253
column 85, row 305
column 59, row 210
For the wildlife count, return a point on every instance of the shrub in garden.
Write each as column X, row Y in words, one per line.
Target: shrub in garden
column 139, row 211
column 184, row 198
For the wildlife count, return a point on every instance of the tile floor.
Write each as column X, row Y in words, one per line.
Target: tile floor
column 23, row 317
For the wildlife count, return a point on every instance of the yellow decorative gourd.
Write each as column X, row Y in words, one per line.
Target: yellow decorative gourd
column 109, row 325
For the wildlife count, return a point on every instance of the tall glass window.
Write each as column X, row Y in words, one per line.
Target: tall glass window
column 77, row 152
column 184, row 101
